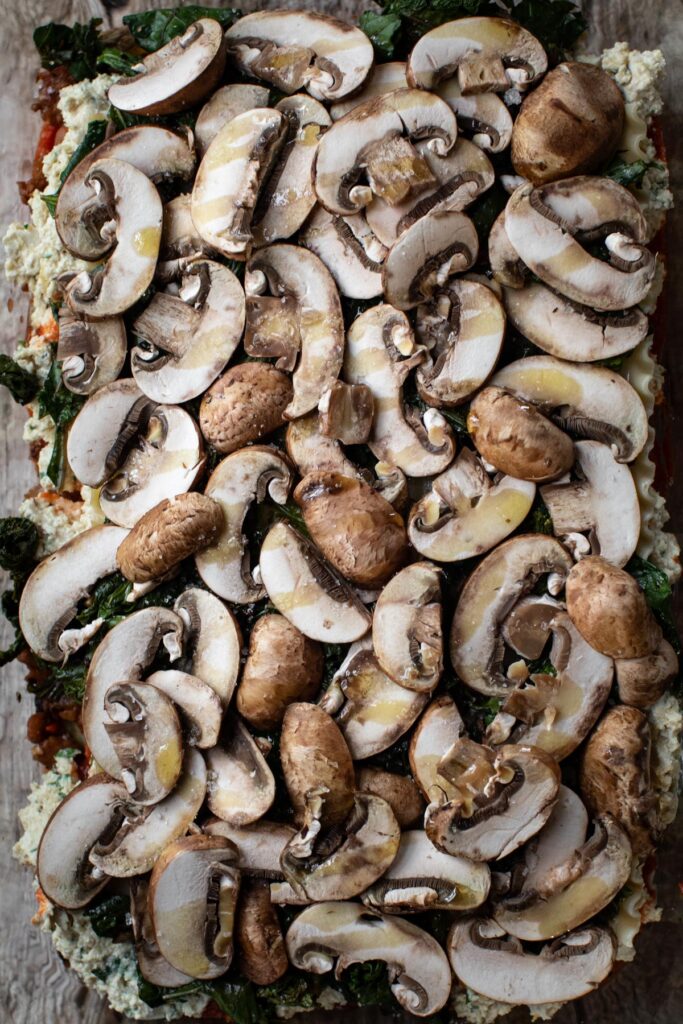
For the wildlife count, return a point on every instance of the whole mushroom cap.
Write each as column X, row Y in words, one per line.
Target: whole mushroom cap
column 315, row 756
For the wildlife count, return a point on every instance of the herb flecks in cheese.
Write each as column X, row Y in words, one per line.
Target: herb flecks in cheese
column 60, row 519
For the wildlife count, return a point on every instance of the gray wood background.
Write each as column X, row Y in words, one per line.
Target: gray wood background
column 35, row 987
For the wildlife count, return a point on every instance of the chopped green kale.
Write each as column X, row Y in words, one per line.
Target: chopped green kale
column 21, row 384
column 77, row 47
column 153, row 29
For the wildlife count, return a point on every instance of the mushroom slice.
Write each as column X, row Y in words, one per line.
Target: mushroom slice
column 124, row 654
column 188, row 338
column 87, row 813
column 406, row 627
column 192, row 899
column 144, row 731
column 462, row 326
column 375, row 140
column 381, row 79
column 105, row 429
column 439, row 728
column 289, row 193
column 260, row 943
column 527, row 628
column 642, row 681
column 487, row 54
column 588, row 401
column 504, row 576
column 572, row 891
column 293, row 273
column 198, row 703
column 298, row 49
column 490, row 962
column 92, row 352
column 349, row 250
column 144, row 833
column 399, row 791
column 422, row 878
column 164, row 461
column 371, row 710
column 246, row 476
column 417, row 968
column 442, row 243
column 466, row 513
column 177, row 76
column 312, row 451
column 565, row 329
column 307, row 591
column 128, row 211
column 259, row 845
column 212, row 641
column 545, row 241
column 153, row 966
column 157, row 152
column 241, row 785
column 508, row 269
column 602, row 501
column 483, row 116
column 502, row 798
column 380, row 352
column 53, row 591
column 346, row 412
column 180, row 240
column 231, row 176
column 222, row 106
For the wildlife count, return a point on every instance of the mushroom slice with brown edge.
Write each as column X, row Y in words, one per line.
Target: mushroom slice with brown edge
column 152, row 965
column 375, row 141
column 487, row 54
column 527, row 628
column 238, row 481
column 92, row 352
column 224, row 104
column 261, row 952
column 192, row 899
column 642, row 681
column 483, row 116
column 399, row 791
column 75, row 826
column 246, row 404
column 300, row 49
column 180, row 240
column 177, row 76
column 504, row 576
column 508, row 269
column 346, row 412
column 349, row 250
column 212, row 641
column 417, row 969
column 406, row 627
column 311, row 451
column 307, row 591
column 282, row 666
column 462, row 327
column 157, row 152
column 438, row 729
column 466, row 513
column 231, row 176
column 289, row 193
column 573, row 891
column 356, row 529
column 496, row 966
column 291, row 272
column 602, row 501
column 128, row 208
column 382, row 78
column 200, row 706
column 566, row 329
column 587, row 401
column 241, row 785
column 380, row 352
column 144, row 730
column 438, row 245
column 502, row 798
column 421, row 878
column 124, row 654
column 260, row 845
column 51, row 595
column 371, row 710
column 188, row 338
column 105, row 429
column 144, row 833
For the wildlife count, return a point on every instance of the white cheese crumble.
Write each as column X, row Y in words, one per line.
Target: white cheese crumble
column 634, row 907
column 638, row 74
column 61, row 521
column 44, row 798
column 472, row 1008
column 666, row 720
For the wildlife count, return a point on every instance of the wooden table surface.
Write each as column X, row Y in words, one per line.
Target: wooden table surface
column 35, row 987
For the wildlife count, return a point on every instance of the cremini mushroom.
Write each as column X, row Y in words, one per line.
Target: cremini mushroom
column 169, row 533
column 224, row 104
column 261, row 953
column 439, row 728
column 212, row 641
column 180, row 241
column 246, row 404
column 199, row 705
column 311, row 451
column 642, row 681
column 92, row 352
column 381, row 79
column 349, row 250
column 241, row 785
column 406, row 627
column 507, row 268
column 104, row 430
column 153, row 966
column 481, row 116
column 346, row 412
column 399, row 791
column 260, row 845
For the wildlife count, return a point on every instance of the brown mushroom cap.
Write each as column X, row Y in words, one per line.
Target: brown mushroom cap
column 642, row 681
column 609, row 609
column 170, row 532
column 315, row 758
column 244, row 405
column 399, row 791
column 261, row 952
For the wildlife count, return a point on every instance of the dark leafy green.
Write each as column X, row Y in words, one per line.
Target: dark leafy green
column 628, row 173
column 238, row 1000
column 75, row 46
column 9, row 605
column 658, row 594
column 108, row 600
column 367, row 984
column 539, row 519
column 110, row 916
column 21, row 384
column 383, row 31
column 61, row 405
column 153, row 29
column 113, row 59
column 18, row 543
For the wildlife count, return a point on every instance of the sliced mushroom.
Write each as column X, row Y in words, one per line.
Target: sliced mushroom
column 399, row 791
column 504, row 576
column 349, row 250
column 417, row 968
column 240, row 479
column 307, row 591
column 300, row 49
column 75, row 826
column 437, row 731
column 346, row 412
column 199, row 704
column 212, row 641
column 422, row 878
column 466, row 513
column 225, row 103
column 53, row 591
column 501, row 799
column 490, row 962
column 192, row 899
column 312, row 451
column 241, row 785
column 259, row 844
column 380, row 352
column 177, row 76
column 180, row 240
column 261, row 952
column 168, row 534
column 642, row 681
column 153, row 966
column 508, row 269
column 127, row 210
column 381, row 79
column 587, row 401
column 483, row 116
column 406, row 627
column 462, row 327
column 246, row 404
column 92, row 352
column 105, row 429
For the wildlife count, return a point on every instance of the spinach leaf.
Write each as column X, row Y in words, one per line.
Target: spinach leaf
column 50, row 200
column 110, row 916
column 76, row 46
column 153, row 29
column 557, row 24
column 113, row 59
column 367, row 984
column 21, row 384
column 628, row 173
column 94, row 135
column 61, row 405
column 238, row 1000
column 539, row 519
column 18, row 543
column 658, row 594
column 382, row 30
column 108, row 600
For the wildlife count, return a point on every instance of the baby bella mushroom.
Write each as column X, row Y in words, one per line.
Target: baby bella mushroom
column 246, row 404
column 261, row 952
column 406, row 627
column 169, row 533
